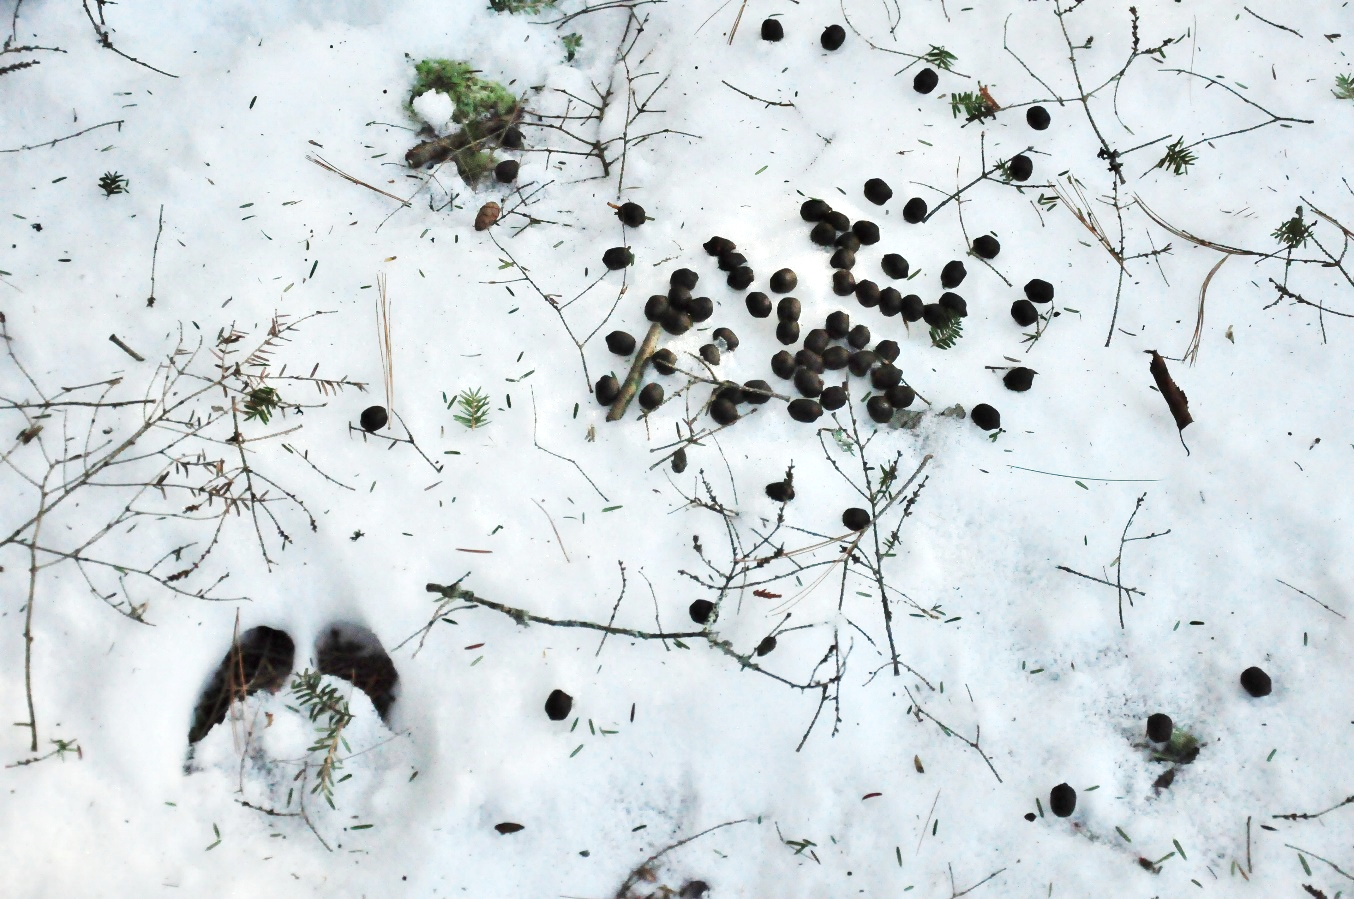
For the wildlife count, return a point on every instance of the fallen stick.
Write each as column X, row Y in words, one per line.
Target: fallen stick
column 646, row 349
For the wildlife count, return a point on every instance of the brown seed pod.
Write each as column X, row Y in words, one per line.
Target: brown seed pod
column 488, row 214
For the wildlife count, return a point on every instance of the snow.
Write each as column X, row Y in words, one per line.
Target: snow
column 252, row 228
column 434, row 108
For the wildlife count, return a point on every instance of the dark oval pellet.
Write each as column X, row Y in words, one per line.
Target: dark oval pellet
column 954, row 304
column 730, row 339
column 858, row 337
column 936, row 315
column 607, row 389
column 768, row 644
column 788, row 309
column 787, row 332
column 1021, row 167
column 512, row 138
column 664, row 361
column 1160, row 727
column 506, row 171
column 784, row 281
column 651, row 397
column 772, row 30
column 1037, row 290
column 731, row 392
column 925, row 81
column 817, row 340
column 759, row 304
column 1037, row 117
column 710, row 353
column 1024, row 313
column 894, row 266
column 879, row 409
column 1256, row 682
column 780, row 491
column 700, row 308
column 823, row 234
column 836, row 358
column 731, row 260
column 833, row 37
column 373, row 418
column 838, row 221
column 856, row 519
column 833, row 398
column 679, row 297
column 838, row 325
column 620, row 343
column 756, row 392
column 953, row 274
column 656, row 307
column 676, row 323
column 986, row 246
column 723, row 411
column 887, row 350
column 718, row 246
column 843, row 283
column 558, row 705
column 813, row 210
column 808, row 382
column 867, row 293
column 1062, row 800
column 1019, row 379
column 679, row 460
column 848, row 241
column 886, row 376
column 843, row 258
column 877, row 191
column 985, row 417
column 807, row 358
column 740, row 278
column 912, row 308
column 890, row 301
column 866, row 232
column 702, row 611
column 631, row 214
column 901, row 396
column 861, row 362
column 914, row 210
column 684, row 277
column 805, row 410
column 617, row 258
column 783, row 364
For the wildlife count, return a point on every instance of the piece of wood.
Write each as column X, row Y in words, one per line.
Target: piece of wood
column 631, row 385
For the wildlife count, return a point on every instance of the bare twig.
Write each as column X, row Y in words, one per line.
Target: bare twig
column 55, row 141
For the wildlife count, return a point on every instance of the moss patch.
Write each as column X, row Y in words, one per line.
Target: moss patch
column 473, row 97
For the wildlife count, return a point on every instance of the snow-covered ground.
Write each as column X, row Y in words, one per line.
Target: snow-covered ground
column 833, row 775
